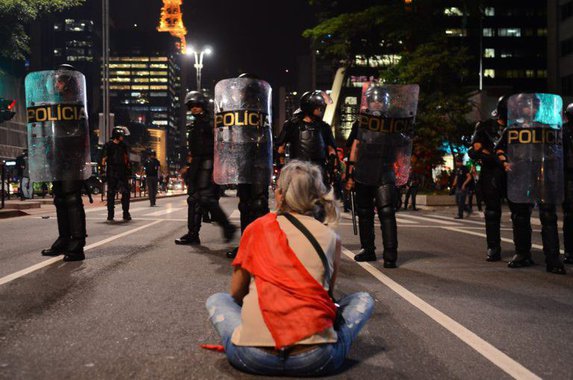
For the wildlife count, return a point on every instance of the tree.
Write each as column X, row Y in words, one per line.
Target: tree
column 415, row 32
column 16, row 14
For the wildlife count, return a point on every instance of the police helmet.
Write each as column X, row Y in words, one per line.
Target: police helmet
column 152, row 153
column 501, row 110
column 375, row 94
column 119, row 131
column 569, row 112
column 196, row 99
column 311, row 100
column 249, row 75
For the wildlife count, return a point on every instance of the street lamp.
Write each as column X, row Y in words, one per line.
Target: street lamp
column 198, row 61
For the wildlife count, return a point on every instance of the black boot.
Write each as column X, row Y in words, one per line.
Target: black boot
column 493, row 234
column 126, row 216
column 389, row 236
column 188, row 239
column 366, row 230
column 58, row 248
column 77, row 217
column 550, row 238
column 521, row 260
column 493, row 254
column 229, row 232
column 365, row 255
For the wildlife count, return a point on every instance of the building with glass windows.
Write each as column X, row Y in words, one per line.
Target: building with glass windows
column 560, row 57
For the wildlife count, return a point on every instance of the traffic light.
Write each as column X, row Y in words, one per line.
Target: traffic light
column 7, row 109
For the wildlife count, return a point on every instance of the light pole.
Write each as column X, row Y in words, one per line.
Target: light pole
column 198, row 61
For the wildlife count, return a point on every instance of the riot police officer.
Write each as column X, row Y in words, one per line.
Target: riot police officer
column 568, row 203
column 524, row 158
column 492, row 176
column 59, row 150
column 381, row 143
column 243, row 143
column 310, row 138
column 199, row 173
column 115, row 158
column 152, row 167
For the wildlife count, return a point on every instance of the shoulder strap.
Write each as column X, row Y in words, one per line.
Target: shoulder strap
column 297, row 223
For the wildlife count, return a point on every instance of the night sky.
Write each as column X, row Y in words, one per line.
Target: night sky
column 258, row 36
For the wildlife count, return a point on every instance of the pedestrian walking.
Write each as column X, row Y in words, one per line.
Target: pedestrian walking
column 152, row 167
column 462, row 178
column 413, row 185
column 115, row 159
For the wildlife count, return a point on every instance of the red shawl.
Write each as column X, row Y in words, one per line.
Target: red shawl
column 294, row 305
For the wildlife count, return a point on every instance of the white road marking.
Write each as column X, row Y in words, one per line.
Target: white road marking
column 506, row 240
column 405, row 221
column 236, row 214
column 45, row 263
column 444, row 222
column 461, row 220
column 165, row 212
column 484, row 348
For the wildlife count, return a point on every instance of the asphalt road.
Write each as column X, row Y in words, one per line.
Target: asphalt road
column 135, row 307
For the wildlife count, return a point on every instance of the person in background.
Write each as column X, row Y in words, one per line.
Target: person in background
column 462, row 178
column 152, row 168
column 413, row 184
column 280, row 319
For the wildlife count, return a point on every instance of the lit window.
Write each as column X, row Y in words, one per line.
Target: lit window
column 489, row 11
column 158, row 80
column 487, row 32
column 139, row 65
column 141, row 80
column 530, row 73
column 159, row 122
column 542, row 32
column 509, row 32
column 506, row 54
column 456, row 32
column 120, row 72
column 140, row 87
column 453, row 11
column 119, row 87
column 158, row 59
column 158, row 87
column 489, row 53
column 157, row 94
column 119, row 79
column 542, row 73
column 489, row 73
column 57, row 52
column 158, row 66
column 142, row 73
column 119, row 65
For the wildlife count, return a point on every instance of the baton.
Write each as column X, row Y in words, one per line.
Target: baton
column 353, row 209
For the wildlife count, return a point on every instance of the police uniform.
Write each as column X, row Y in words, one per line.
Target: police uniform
column 151, row 167
column 201, row 190
column 521, row 218
column 491, row 182
column 118, row 170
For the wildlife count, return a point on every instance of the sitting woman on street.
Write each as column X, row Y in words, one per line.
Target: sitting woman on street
column 280, row 318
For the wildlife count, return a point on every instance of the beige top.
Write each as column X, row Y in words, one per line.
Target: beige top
column 253, row 331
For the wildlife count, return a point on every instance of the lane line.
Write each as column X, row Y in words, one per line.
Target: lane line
column 405, row 221
column 165, row 212
column 506, row 240
column 484, row 348
column 461, row 220
column 45, row 263
column 444, row 222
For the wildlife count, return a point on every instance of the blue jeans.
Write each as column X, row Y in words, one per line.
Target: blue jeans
column 225, row 315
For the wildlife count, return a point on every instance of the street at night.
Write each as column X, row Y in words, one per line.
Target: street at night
column 136, row 306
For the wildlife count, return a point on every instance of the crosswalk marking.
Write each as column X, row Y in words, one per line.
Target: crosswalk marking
column 165, row 212
column 432, row 220
column 236, row 214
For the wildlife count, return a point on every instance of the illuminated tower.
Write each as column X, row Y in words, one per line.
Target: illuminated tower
column 172, row 21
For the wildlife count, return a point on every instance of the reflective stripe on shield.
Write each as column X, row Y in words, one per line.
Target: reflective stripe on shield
column 243, row 137
column 58, row 130
column 386, row 128
column 535, row 149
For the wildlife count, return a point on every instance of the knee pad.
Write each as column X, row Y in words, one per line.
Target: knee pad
column 385, row 196
column 365, row 212
column 386, row 212
column 492, row 214
column 547, row 216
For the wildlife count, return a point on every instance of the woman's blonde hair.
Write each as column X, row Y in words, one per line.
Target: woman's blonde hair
column 304, row 192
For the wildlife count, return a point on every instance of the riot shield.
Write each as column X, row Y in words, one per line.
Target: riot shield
column 386, row 128
column 535, row 149
column 243, row 137
column 58, row 130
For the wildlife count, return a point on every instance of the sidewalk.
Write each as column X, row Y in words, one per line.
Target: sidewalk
column 16, row 207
